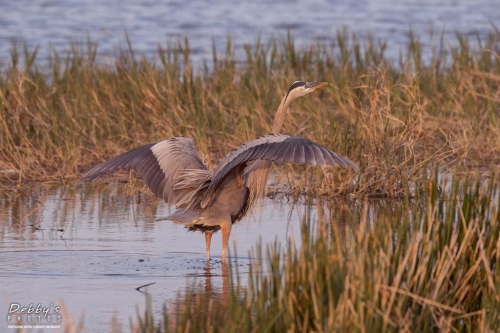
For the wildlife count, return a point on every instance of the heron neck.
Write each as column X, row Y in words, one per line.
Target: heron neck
column 280, row 114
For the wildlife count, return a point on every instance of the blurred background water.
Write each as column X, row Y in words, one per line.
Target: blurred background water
column 56, row 23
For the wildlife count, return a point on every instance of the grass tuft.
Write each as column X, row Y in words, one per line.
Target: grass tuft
column 427, row 265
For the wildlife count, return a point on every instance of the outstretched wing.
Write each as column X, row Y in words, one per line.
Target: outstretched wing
column 161, row 165
column 275, row 148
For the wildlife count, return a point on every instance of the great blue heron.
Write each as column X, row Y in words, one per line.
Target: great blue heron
column 209, row 201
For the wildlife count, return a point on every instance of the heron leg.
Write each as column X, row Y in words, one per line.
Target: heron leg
column 226, row 231
column 208, row 240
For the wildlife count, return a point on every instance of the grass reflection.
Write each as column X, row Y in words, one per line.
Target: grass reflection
column 429, row 268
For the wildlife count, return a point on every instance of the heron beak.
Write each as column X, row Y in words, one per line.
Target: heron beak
column 315, row 85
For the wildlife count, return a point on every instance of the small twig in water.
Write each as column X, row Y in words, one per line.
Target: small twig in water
column 139, row 288
column 29, row 214
column 66, row 228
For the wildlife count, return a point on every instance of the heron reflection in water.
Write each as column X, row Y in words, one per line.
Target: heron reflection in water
column 209, row 201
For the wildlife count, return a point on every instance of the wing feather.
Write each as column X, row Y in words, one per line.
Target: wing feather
column 160, row 165
column 318, row 154
column 155, row 179
column 285, row 152
column 114, row 164
column 277, row 148
column 256, row 152
column 301, row 156
column 310, row 159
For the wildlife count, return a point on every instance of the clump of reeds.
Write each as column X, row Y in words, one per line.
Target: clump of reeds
column 432, row 267
column 435, row 106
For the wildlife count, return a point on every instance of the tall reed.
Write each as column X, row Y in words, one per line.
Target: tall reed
column 433, row 106
column 433, row 267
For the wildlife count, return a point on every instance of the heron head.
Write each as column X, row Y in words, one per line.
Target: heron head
column 297, row 89
column 300, row 88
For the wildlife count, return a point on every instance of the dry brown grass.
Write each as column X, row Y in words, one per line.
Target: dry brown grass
column 397, row 121
column 429, row 265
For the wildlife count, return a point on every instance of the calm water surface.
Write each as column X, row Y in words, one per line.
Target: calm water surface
column 149, row 22
column 112, row 245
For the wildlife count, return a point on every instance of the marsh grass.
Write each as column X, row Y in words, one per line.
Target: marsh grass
column 435, row 106
column 432, row 267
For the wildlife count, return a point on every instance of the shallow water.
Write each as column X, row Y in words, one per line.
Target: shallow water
column 55, row 23
column 91, row 246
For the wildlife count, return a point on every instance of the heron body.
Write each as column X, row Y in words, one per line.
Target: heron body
column 209, row 201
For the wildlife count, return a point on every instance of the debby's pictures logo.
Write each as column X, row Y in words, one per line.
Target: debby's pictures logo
column 33, row 315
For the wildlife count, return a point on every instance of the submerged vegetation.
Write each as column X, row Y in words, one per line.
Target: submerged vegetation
column 431, row 268
column 437, row 106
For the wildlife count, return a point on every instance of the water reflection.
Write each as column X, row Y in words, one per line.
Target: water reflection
column 77, row 243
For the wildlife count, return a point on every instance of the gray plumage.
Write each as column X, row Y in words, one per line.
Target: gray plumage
column 162, row 165
column 210, row 201
column 273, row 148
